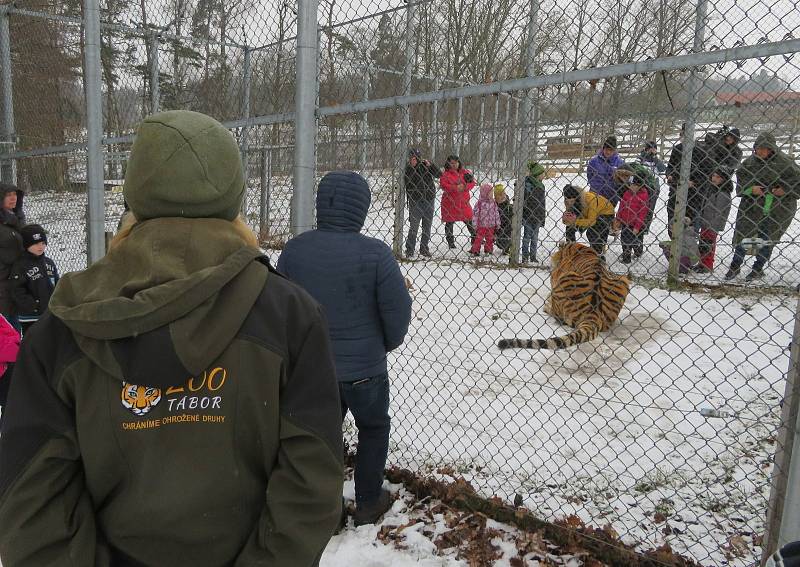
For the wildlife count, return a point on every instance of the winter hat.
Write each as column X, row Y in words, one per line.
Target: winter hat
column 6, row 188
column 733, row 132
column 184, row 164
column 571, row 192
column 650, row 144
column 766, row 140
column 610, row 142
column 535, row 168
column 415, row 153
column 499, row 189
column 32, row 234
column 723, row 171
column 636, row 180
column 487, row 190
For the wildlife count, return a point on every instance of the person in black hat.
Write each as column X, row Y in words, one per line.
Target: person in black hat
column 729, row 154
column 714, row 216
column 649, row 158
column 590, row 212
column 421, row 196
column 33, row 277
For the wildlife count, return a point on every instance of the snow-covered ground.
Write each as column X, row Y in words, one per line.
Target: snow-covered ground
column 610, row 431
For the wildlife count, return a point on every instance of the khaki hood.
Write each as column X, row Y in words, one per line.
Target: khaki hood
column 172, row 295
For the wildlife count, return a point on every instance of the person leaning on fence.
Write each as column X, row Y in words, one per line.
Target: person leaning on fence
column 456, row 183
column 487, row 220
column 534, row 211
column 12, row 219
column 600, row 171
column 673, row 173
column 358, row 282
column 596, row 216
column 177, row 404
column 631, row 216
column 419, row 179
column 714, row 217
column 768, row 184
column 506, row 210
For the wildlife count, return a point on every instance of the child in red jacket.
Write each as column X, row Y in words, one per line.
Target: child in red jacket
column 633, row 209
column 9, row 347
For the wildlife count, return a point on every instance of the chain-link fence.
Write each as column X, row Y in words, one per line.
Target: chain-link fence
column 675, row 426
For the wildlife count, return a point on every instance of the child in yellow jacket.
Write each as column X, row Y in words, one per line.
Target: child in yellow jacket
column 589, row 212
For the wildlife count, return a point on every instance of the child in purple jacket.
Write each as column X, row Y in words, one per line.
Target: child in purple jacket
column 486, row 218
column 600, row 170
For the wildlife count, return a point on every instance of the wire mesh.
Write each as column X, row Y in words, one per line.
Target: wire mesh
column 666, row 426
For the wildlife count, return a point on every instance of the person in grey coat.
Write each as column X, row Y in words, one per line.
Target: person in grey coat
column 714, row 216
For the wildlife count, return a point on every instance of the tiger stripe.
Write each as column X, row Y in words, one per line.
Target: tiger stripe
column 584, row 294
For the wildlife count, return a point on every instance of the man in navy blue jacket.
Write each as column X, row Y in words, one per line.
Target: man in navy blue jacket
column 359, row 284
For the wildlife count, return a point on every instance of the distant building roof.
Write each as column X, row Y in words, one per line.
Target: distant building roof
column 755, row 97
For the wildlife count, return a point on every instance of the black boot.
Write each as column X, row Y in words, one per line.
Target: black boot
column 370, row 512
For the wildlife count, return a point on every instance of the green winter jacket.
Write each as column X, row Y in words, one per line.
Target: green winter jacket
column 178, row 406
column 779, row 170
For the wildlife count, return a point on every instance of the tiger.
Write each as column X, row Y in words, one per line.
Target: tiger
column 584, row 294
column 139, row 399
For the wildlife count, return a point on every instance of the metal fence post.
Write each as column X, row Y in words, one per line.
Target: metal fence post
column 266, row 189
column 494, row 130
column 525, row 134
column 783, row 510
column 678, row 221
column 481, row 115
column 362, row 162
column 305, row 123
column 435, row 147
column 459, row 145
column 155, row 87
column 245, row 142
column 400, row 202
column 8, row 169
column 507, row 134
column 95, row 233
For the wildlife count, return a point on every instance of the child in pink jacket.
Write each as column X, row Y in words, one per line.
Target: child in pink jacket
column 633, row 209
column 487, row 219
column 9, row 347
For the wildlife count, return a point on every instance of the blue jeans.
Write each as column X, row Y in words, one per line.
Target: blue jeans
column 765, row 228
column 530, row 238
column 368, row 401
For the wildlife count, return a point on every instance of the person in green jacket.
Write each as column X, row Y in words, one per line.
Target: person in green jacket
column 178, row 405
column 768, row 183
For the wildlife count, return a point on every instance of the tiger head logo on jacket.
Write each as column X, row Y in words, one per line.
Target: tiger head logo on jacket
column 139, row 399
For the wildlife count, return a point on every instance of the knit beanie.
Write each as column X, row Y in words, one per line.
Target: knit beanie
column 499, row 189
column 535, row 168
column 184, row 164
column 610, row 142
column 571, row 192
column 32, row 234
